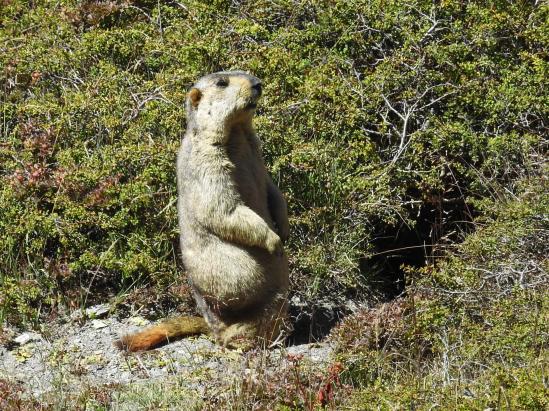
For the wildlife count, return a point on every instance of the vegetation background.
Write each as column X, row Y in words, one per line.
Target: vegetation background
column 409, row 137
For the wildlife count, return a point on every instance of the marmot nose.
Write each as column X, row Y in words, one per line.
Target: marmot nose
column 257, row 87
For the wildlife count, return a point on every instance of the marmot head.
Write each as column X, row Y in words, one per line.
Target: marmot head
column 223, row 99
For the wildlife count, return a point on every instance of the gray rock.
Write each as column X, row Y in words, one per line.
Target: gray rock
column 27, row 337
column 97, row 311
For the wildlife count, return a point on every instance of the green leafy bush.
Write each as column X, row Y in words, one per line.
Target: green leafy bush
column 470, row 334
column 378, row 118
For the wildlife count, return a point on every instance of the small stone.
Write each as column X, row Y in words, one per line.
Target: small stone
column 140, row 321
column 99, row 324
column 296, row 301
column 26, row 337
column 97, row 311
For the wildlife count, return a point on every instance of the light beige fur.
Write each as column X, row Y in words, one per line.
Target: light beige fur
column 232, row 218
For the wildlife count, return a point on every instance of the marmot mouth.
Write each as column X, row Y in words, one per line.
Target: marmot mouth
column 251, row 106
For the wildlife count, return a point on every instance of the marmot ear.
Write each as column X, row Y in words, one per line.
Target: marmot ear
column 194, row 96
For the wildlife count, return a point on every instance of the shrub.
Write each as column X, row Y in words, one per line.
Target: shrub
column 470, row 334
column 379, row 120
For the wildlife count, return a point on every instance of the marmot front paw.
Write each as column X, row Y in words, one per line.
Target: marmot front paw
column 274, row 244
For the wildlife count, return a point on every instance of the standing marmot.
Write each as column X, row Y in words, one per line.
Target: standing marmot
column 232, row 219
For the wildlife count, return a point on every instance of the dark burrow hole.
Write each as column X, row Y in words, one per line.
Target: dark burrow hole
column 393, row 248
column 383, row 271
column 312, row 324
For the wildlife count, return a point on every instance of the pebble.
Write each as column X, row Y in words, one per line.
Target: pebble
column 27, row 337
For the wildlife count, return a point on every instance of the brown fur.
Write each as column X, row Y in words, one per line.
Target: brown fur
column 163, row 332
column 232, row 219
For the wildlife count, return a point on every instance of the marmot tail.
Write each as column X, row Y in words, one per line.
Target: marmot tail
column 162, row 333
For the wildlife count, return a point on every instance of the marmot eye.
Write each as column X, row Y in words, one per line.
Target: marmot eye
column 222, row 82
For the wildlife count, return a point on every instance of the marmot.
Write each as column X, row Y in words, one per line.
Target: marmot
column 232, row 220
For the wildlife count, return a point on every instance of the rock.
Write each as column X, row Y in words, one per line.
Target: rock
column 97, row 311
column 27, row 337
column 99, row 324
column 137, row 320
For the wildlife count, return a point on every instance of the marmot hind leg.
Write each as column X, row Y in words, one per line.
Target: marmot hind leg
column 273, row 325
column 267, row 327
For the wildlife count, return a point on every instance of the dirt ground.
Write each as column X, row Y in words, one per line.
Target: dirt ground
column 79, row 353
